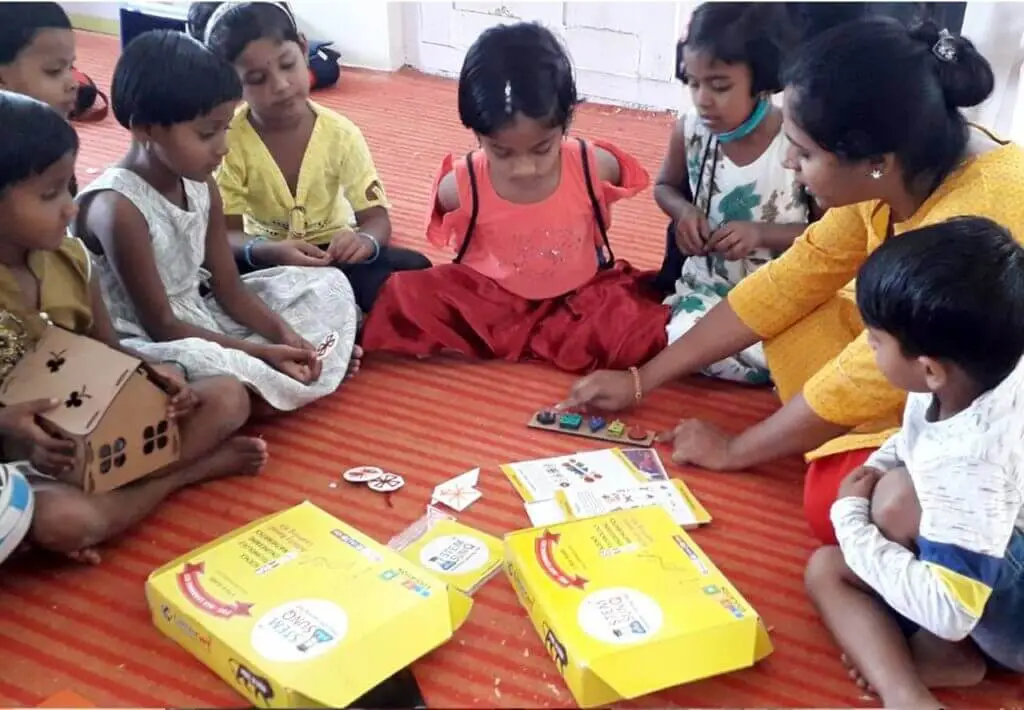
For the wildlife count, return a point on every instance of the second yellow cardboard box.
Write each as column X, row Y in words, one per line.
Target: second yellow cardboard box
column 627, row 604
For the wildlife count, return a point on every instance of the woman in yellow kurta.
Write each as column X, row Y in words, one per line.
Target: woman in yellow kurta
column 298, row 184
column 876, row 137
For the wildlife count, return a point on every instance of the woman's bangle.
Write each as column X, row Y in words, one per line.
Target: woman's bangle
column 638, row 391
column 376, row 246
column 247, row 250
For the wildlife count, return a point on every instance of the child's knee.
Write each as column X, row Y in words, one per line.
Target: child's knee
column 824, row 569
column 65, row 521
column 225, row 400
column 895, row 508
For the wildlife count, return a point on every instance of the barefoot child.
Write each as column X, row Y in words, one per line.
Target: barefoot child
column 299, row 185
column 527, row 217
column 931, row 529
column 728, row 153
column 155, row 225
column 46, row 276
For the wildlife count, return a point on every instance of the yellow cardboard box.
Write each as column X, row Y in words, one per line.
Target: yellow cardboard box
column 299, row 609
column 467, row 558
column 627, row 604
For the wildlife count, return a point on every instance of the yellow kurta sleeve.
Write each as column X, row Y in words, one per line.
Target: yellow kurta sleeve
column 231, row 179
column 850, row 390
column 821, row 261
column 361, row 184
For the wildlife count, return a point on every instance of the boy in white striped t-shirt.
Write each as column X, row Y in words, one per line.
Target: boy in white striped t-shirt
column 931, row 529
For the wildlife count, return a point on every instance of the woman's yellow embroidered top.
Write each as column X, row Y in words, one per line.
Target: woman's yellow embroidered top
column 802, row 304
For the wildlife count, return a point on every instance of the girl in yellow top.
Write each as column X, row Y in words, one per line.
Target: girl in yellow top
column 298, row 184
column 876, row 137
column 46, row 277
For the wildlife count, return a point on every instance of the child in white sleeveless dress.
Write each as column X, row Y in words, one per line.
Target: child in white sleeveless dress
column 155, row 226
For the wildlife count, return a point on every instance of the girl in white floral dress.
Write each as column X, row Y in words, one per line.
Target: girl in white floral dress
column 734, row 205
column 155, row 226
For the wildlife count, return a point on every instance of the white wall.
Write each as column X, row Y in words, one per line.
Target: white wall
column 369, row 33
column 623, row 51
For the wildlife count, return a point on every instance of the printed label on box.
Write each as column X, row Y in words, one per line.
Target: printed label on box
column 299, row 630
column 620, row 615
column 454, row 554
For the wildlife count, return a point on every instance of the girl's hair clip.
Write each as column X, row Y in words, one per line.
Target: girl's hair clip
column 226, row 7
column 945, row 47
column 508, row 98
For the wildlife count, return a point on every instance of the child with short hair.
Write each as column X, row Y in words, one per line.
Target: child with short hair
column 37, row 53
column 931, row 529
column 156, row 227
column 734, row 206
column 298, row 184
column 527, row 216
column 46, row 277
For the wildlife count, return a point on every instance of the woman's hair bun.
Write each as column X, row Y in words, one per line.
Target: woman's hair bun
column 965, row 75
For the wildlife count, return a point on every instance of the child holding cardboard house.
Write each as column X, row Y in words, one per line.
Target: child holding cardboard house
column 46, row 276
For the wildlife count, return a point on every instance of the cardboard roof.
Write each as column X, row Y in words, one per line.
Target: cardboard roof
column 84, row 374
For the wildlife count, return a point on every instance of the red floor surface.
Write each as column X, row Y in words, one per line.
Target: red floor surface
column 69, row 627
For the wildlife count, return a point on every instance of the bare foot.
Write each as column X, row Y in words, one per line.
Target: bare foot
column 239, row 456
column 355, row 361
column 943, row 664
column 87, row 556
column 855, row 676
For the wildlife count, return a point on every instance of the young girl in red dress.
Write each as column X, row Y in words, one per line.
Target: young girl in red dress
column 527, row 216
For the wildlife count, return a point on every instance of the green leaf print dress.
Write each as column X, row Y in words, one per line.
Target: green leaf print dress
column 763, row 191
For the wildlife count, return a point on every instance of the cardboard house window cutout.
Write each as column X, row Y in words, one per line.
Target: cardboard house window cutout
column 111, row 406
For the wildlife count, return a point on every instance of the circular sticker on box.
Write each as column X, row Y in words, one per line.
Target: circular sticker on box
column 454, row 554
column 299, row 631
column 620, row 615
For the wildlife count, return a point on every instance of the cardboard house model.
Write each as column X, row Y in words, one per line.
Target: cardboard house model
column 111, row 406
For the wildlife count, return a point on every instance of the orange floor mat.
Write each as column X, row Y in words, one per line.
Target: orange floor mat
column 87, row 628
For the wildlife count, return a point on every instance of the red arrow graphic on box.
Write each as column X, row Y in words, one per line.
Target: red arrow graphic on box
column 544, row 548
column 192, row 589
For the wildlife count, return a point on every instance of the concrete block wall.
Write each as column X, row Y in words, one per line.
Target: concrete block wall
column 623, row 52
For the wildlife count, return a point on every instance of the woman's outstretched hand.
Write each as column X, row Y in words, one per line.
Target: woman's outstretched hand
column 699, row 443
column 605, row 390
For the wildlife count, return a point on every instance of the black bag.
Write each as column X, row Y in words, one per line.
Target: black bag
column 324, row 70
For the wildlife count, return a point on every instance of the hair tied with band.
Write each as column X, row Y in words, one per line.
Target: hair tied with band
column 945, row 47
column 227, row 7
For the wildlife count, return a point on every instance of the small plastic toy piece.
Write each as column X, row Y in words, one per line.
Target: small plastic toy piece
column 546, row 417
column 570, row 421
column 362, row 474
column 386, row 483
